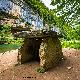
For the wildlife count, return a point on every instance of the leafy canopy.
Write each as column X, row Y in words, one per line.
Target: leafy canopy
column 42, row 10
column 69, row 10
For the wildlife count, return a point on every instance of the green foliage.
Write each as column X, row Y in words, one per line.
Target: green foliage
column 40, row 70
column 6, row 36
column 71, row 44
column 65, row 8
column 62, row 20
column 5, row 31
column 47, row 15
column 7, row 41
column 68, row 10
column 69, row 32
column 18, row 41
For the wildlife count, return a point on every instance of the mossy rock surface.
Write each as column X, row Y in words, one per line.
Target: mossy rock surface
column 50, row 52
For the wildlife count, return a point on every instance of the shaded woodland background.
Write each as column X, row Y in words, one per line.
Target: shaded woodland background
column 66, row 16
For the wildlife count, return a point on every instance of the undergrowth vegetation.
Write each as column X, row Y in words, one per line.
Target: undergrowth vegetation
column 7, row 41
column 71, row 44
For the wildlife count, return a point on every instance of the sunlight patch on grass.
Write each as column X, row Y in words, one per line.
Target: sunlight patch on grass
column 8, row 47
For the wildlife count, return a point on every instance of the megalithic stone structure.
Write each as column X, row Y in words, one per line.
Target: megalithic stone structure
column 44, row 47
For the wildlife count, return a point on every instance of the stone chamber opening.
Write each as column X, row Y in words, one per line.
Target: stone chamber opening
column 33, row 48
column 29, row 51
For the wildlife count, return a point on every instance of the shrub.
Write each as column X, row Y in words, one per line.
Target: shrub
column 71, row 44
column 41, row 70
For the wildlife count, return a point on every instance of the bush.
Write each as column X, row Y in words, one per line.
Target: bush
column 6, row 36
column 41, row 70
column 71, row 44
column 5, row 31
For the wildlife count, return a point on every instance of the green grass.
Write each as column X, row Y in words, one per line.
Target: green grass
column 71, row 44
column 8, row 47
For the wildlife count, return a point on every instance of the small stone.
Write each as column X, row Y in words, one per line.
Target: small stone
column 62, row 58
column 69, row 68
column 42, row 39
column 68, row 55
column 1, row 78
column 75, row 56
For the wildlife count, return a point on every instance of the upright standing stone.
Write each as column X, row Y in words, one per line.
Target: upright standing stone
column 50, row 52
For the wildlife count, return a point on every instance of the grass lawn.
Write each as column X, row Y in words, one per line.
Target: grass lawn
column 8, row 47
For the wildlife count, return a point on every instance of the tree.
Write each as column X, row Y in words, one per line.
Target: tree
column 69, row 10
column 42, row 10
column 47, row 15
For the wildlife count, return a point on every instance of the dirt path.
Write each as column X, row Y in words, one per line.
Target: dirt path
column 8, row 59
column 68, row 70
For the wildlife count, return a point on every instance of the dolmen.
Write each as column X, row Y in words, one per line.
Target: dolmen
column 44, row 47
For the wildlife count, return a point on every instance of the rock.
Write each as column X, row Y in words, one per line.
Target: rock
column 69, row 68
column 47, row 50
column 50, row 52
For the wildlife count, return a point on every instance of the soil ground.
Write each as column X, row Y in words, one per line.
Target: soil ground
column 69, row 69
